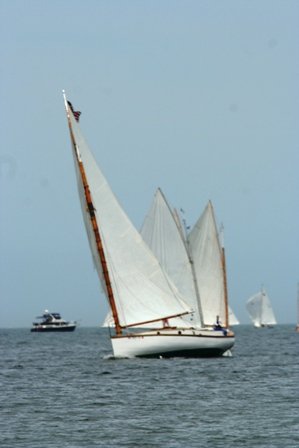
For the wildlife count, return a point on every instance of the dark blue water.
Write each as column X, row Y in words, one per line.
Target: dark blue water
column 63, row 390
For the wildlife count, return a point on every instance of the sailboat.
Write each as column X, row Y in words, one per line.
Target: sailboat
column 138, row 290
column 194, row 261
column 297, row 326
column 260, row 310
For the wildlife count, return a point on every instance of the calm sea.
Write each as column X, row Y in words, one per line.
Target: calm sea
column 65, row 390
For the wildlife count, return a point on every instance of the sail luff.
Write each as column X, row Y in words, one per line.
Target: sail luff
column 93, row 219
column 100, row 248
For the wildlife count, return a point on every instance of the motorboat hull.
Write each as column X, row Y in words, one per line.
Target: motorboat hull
column 52, row 328
column 173, row 343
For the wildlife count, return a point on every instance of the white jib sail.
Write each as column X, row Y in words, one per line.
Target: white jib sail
column 142, row 291
column 163, row 236
column 207, row 257
column 233, row 320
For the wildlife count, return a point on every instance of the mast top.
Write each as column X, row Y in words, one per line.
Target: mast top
column 65, row 100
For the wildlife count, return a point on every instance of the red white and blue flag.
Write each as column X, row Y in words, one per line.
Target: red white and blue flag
column 75, row 113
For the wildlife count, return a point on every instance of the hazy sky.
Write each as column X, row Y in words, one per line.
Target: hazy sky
column 200, row 98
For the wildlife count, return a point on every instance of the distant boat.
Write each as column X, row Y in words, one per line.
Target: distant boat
column 139, row 292
column 260, row 310
column 297, row 326
column 52, row 322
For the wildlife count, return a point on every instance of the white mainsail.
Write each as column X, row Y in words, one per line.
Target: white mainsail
column 260, row 309
column 205, row 233
column 142, row 291
column 161, row 232
column 207, row 256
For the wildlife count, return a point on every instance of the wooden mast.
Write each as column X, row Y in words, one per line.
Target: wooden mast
column 93, row 219
column 223, row 262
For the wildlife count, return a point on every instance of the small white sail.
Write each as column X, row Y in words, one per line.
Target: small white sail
column 142, row 291
column 206, row 253
column 260, row 310
column 233, row 320
column 253, row 306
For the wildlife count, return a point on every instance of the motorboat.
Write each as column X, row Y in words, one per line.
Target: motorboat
column 52, row 322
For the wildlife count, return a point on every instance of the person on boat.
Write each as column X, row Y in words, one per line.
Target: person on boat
column 165, row 323
column 218, row 325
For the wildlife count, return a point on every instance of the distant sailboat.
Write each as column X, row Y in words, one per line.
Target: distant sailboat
column 297, row 326
column 260, row 310
column 195, row 262
column 138, row 290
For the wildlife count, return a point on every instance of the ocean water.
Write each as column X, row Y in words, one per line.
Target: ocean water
column 65, row 390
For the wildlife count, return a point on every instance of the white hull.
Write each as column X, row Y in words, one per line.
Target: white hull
column 170, row 342
column 258, row 325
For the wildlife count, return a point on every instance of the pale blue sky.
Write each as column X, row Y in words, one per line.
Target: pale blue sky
column 200, row 98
